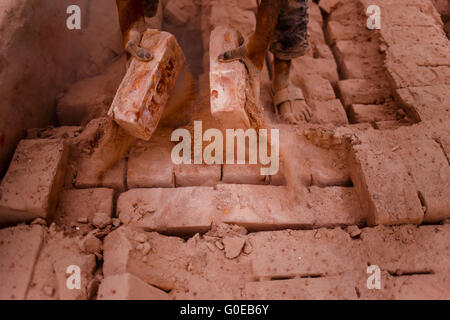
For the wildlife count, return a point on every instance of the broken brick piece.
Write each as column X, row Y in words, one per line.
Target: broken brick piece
column 31, row 187
column 146, row 87
column 122, row 255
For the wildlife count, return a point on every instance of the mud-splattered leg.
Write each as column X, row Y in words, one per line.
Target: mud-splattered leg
column 132, row 24
column 253, row 51
column 287, row 98
column 290, row 41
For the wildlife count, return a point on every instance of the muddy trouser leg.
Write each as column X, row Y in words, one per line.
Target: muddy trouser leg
column 290, row 39
column 132, row 24
column 150, row 7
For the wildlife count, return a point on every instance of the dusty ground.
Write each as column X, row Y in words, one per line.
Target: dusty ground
column 375, row 160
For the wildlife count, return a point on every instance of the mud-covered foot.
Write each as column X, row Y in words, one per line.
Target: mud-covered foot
column 292, row 105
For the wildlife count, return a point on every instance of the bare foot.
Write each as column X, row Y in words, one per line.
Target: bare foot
column 296, row 114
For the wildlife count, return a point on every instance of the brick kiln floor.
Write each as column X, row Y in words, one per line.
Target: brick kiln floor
column 375, row 160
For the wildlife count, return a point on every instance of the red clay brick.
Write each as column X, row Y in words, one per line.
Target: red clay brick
column 31, row 187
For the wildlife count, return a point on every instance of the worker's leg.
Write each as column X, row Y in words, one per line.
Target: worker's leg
column 150, row 7
column 132, row 24
column 290, row 41
column 253, row 51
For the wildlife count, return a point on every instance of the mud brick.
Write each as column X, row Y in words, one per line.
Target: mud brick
column 330, row 111
column 425, row 103
column 346, row 12
column 51, row 270
column 308, row 66
column 146, row 87
column 121, row 255
column 150, row 165
column 388, row 125
column 311, row 253
column 315, row 31
column 354, row 68
column 243, row 174
column 87, row 265
column 405, row 12
column 329, row 5
column 428, row 166
column 357, row 60
column 113, row 178
column 324, row 52
column 83, row 203
column 31, row 187
column 242, row 205
column 345, row 211
column 318, row 88
column 337, row 31
column 179, row 12
column 359, row 113
column 50, row 273
column 361, row 91
column 19, row 250
column 328, row 288
column 387, row 193
column 426, row 46
column 406, row 249
column 187, row 175
column 350, row 48
column 277, row 180
column 422, row 55
column 405, row 74
column 178, row 211
column 228, row 81
column 409, row 287
column 128, row 287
